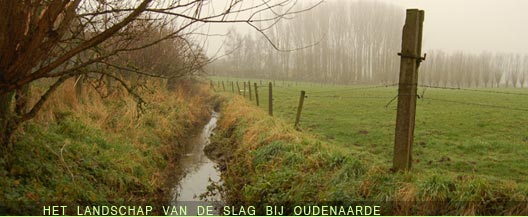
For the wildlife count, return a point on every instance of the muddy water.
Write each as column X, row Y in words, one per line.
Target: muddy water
column 199, row 171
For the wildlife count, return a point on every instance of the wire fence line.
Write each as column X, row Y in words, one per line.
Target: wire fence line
column 351, row 97
column 355, row 88
column 434, row 87
column 279, row 86
column 336, row 94
column 474, row 90
column 476, row 104
column 392, row 99
column 422, row 96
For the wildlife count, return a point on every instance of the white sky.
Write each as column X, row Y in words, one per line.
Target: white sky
column 458, row 25
column 473, row 25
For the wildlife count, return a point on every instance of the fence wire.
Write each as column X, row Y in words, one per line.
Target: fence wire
column 349, row 97
column 281, row 89
column 476, row 104
column 354, row 88
column 474, row 90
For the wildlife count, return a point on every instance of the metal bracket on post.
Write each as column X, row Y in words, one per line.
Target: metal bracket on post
column 417, row 58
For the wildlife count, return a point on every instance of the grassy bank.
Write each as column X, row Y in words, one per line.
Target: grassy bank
column 97, row 150
column 267, row 161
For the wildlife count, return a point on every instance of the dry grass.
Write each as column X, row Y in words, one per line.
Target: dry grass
column 268, row 161
column 99, row 149
column 118, row 113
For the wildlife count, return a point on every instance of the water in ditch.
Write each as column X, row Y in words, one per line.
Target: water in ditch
column 199, row 172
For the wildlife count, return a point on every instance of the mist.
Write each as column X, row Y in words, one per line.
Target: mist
column 450, row 25
column 345, row 42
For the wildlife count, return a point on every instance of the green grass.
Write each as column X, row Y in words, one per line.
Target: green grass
column 99, row 152
column 467, row 159
column 71, row 162
column 449, row 137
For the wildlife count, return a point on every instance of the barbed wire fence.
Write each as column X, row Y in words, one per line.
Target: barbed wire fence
column 319, row 108
column 284, row 87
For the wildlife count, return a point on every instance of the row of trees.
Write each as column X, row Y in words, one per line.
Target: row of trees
column 461, row 69
column 341, row 41
column 357, row 42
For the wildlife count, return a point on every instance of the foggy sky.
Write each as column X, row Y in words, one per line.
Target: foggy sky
column 473, row 25
column 454, row 25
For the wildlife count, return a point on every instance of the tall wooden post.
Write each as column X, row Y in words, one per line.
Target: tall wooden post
column 238, row 88
column 270, row 99
column 299, row 109
column 256, row 94
column 232, row 86
column 223, row 86
column 410, row 61
column 249, row 89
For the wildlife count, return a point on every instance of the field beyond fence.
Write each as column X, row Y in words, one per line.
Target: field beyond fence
column 482, row 132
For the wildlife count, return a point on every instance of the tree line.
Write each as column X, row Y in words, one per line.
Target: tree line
column 486, row 69
column 356, row 42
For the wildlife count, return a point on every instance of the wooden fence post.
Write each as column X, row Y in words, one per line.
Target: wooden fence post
column 212, row 86
column 232, row 87
column 256, row 93
column 299, row 109
column 410, row 61
column 270, row 99
column 223, row 86
column 238, row 88
column 249, row 89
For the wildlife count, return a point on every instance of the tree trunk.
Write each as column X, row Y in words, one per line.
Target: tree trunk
column 6, row 117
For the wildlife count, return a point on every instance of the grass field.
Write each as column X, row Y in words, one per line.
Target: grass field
column 452, row 135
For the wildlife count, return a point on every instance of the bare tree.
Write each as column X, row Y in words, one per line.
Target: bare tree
column 515, row 68
column 485, row 68
column 60, row 39
column 524, row 70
